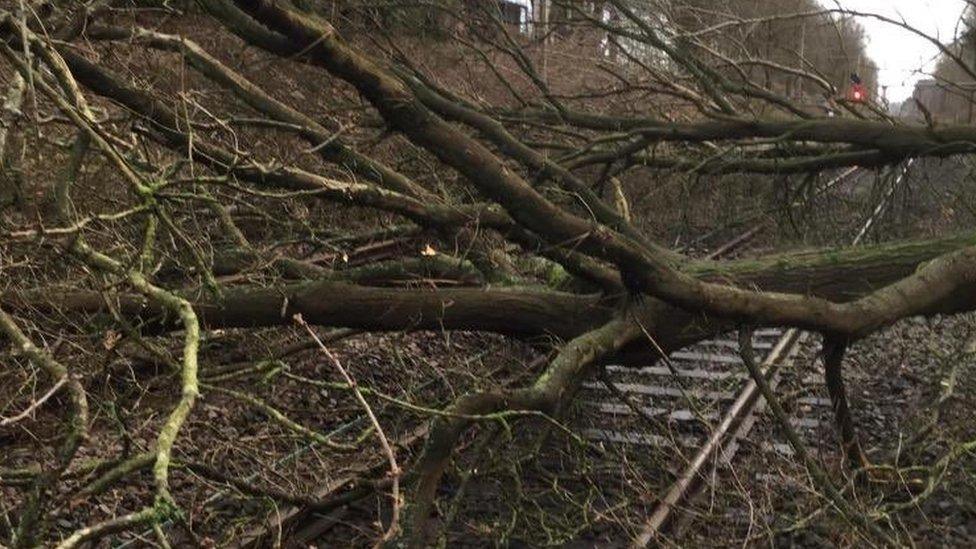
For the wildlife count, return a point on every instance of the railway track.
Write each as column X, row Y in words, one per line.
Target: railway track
column 705, row 402
column 700, row 401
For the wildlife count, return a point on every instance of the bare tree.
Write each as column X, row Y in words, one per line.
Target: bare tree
column 210, row 183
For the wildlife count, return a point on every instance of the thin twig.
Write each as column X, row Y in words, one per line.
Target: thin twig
column 4, row 422
column 384, row 442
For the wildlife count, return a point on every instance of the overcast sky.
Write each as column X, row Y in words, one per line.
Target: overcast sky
column 898, row 53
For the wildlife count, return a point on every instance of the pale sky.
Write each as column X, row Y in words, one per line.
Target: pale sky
column 899, row 53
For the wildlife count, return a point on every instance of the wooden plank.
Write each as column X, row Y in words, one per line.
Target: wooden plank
column 706, row 357
column 663, row 371
column 655, row 390
column 625, row 410
column 639, row 439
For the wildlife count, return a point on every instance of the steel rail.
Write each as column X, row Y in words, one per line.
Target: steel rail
column 741, row 408
column 740, row 415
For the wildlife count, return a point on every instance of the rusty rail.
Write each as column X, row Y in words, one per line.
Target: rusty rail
column 740, row 415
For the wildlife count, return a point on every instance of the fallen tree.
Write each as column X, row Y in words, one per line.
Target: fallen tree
column 513, row 188
column 841, row 275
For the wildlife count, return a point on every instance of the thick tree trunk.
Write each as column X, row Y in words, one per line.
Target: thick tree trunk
column 835, row 274
column 327, row 303
column 839, row 275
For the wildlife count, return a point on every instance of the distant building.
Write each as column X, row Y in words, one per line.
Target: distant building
column 511, row 12
column 946, row 103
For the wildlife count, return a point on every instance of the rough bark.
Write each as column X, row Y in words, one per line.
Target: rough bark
column 841, row 275
column 327, row 303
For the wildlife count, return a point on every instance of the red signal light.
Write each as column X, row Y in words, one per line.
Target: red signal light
column 857, row 93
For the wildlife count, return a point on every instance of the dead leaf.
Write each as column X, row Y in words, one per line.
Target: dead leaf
column 111, row 339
